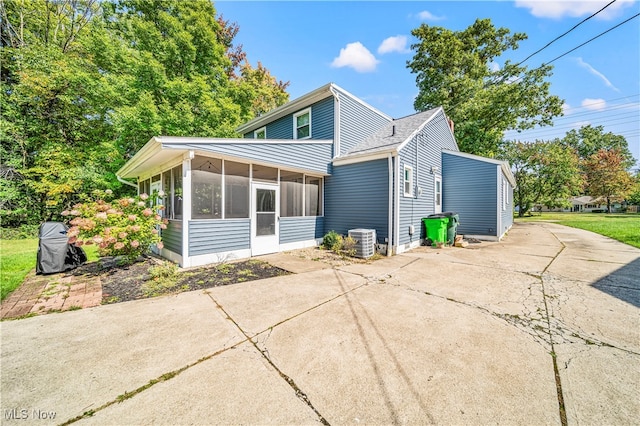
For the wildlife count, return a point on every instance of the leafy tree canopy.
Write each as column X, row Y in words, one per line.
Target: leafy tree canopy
column 84, row 84
column 458, row 71
column 588, row 140
column 546, row 173
column 607, row 176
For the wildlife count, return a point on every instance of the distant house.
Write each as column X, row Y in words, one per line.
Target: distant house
column 584, row 204
column 325, row 161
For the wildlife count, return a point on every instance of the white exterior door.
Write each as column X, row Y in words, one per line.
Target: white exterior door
column 437, row 195
column 265, row 218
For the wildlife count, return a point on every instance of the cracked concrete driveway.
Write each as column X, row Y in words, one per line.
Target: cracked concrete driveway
column 541, row 328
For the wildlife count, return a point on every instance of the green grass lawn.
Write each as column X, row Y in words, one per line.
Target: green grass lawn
column 621, row 227
column 18, row 257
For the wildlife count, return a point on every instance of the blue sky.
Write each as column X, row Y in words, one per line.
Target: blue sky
column 364, row 47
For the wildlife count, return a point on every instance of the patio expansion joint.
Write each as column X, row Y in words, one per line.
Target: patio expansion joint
column 299, row 393
column 162, row 378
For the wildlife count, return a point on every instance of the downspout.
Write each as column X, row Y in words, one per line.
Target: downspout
column 396, row 201
column 336, row 123
column 390, row 213
column 133, row 185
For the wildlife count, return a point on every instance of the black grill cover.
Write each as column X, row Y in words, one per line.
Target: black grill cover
column 55, row 254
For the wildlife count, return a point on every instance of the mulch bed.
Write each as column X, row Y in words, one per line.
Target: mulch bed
column 150, row 277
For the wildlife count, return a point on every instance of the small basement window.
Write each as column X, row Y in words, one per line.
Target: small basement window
column 260, row 133
column 408, row 181
column 302, row 124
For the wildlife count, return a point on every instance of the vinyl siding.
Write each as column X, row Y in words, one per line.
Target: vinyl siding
column 356, row 122
column 172, row 236
column 470, row 188
column 357, row 196
column 293, row 229
column 214, row 236
column 315, row 157
column 321, row 123
column 507, row 214
column 431, row 140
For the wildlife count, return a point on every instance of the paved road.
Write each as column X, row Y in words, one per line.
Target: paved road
column 541, row 328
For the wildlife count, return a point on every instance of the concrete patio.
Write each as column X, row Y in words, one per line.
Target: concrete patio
column 541, row 328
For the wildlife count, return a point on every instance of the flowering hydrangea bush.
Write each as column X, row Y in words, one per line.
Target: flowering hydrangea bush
column 125, row 227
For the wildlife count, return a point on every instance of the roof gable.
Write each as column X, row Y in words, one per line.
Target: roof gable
column 328, row 90
column 393, row 136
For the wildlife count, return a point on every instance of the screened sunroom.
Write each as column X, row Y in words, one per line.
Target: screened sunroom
column 222, row 206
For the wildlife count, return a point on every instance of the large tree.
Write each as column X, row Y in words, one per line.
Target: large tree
column 84, row 84
column 459, row 71
column 588, row 140
column 607, row 176
column 546, row 173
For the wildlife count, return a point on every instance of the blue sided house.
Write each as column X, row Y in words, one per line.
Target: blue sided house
column 325, row 161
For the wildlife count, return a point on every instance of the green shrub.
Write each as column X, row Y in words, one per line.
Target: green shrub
column 344, row 246
column 165, row 269
column 349, row 246
column 330, row 240
column 125, row 227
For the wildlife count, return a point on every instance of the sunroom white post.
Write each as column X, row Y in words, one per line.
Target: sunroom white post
column 186, row 206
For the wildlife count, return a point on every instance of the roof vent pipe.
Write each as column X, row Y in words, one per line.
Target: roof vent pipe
column 393, row 130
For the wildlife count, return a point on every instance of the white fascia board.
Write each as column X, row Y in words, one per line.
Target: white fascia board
column 419, row 129
column 342, row 161
column 288, row 108
column 150, row 148
column 508, row 174
column 174, row 140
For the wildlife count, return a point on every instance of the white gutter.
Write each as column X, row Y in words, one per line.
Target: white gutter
column 336, row 123
column 390, row 215
column 396, row 238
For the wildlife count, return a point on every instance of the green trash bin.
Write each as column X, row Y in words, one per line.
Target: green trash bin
column 436, row 228
column 452, row 226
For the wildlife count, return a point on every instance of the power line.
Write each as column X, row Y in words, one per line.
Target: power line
column 592, row 39
column 600, row 101
column 555, row 129
column 562, row 35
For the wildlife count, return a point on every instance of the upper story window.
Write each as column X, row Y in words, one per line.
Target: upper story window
column 302, row 124
column 408, row 181
column 260, row 133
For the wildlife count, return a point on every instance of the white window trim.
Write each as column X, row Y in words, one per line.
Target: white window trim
column 404, row 174
column 261, row 129
column 504, row 195
column 295, row 122
column 437, row 194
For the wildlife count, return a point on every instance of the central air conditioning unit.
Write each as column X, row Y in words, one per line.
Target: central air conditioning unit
column 365, row 242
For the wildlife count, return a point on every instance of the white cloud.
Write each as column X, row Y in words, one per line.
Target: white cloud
column 394, row 44
column 356, row 56
column 573, row 8
column 425, row 15
column 494, row 66
column 597, row 73
column 565, row 108
column 594, row 104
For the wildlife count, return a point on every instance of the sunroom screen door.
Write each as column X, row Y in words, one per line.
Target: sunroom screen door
column 265, row 219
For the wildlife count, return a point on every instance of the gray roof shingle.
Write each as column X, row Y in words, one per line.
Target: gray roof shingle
column 388, row 138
